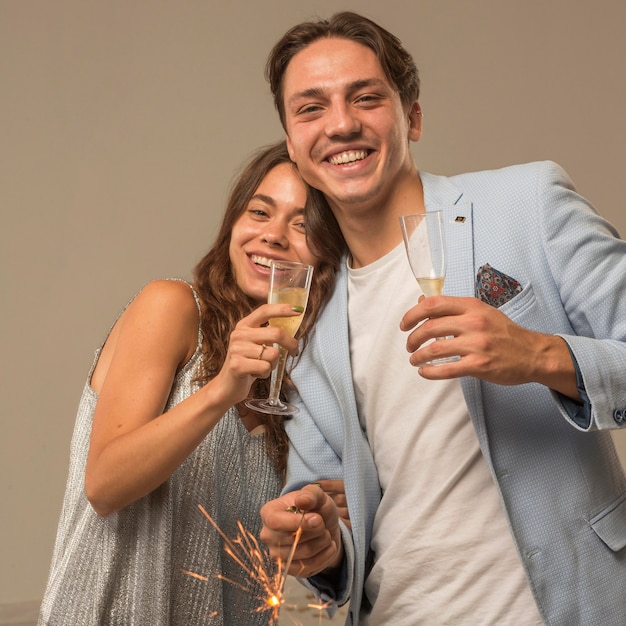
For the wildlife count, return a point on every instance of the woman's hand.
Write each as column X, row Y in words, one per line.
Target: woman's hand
column 251, row 352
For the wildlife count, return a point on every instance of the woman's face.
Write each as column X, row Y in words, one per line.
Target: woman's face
column 271, row 227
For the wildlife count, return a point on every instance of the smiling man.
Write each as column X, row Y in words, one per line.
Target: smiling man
column 484, row 491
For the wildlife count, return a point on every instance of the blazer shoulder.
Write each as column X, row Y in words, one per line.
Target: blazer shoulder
column 532, row 169
column 533, row 177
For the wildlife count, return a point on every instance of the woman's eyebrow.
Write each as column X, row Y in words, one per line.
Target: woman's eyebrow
column 264, row 198
column 269, row 200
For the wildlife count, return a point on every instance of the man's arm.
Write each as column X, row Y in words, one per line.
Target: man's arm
column 583, row 271
column 492, row 347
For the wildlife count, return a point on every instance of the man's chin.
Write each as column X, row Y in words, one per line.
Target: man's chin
column 351, row 196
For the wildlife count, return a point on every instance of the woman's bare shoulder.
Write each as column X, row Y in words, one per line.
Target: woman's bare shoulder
column 169, row 297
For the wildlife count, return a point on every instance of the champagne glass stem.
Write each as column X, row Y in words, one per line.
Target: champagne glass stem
column 277, row 377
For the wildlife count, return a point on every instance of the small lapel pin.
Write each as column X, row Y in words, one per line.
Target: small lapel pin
column 459, row 218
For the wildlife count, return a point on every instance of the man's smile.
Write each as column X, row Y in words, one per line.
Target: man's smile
column 350, row 156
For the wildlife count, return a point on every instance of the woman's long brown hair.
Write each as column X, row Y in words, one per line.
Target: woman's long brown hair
column 223, row 302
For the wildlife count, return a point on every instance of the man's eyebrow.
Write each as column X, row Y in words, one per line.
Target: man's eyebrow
column 313, row 92
column 367, row 82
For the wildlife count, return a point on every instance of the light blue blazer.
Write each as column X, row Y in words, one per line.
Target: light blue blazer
column 561, row 484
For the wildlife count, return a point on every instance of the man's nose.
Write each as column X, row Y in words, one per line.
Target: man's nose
column 342, row 121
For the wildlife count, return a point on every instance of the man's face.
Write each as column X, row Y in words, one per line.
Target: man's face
column 346, row 127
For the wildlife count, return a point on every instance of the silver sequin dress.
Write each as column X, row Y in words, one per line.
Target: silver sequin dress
column 124, row 570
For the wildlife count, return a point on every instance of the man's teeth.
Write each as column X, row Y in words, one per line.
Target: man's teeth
column 260, row 260
column 348, row 157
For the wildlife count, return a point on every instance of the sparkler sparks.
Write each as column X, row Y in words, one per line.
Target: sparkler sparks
column 247, row 553
column 319, row 606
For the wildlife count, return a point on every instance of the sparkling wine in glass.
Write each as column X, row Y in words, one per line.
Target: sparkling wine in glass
column 290, row 283
column 425, row 248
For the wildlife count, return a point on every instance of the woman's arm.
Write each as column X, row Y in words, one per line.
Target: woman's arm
column 135, row 447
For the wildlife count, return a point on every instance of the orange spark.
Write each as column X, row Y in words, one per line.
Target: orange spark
column 247, row 553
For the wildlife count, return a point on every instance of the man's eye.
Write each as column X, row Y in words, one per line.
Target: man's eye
column 368, row 99
column 308, row 109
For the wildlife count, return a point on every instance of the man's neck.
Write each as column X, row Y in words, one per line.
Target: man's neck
column 373, row 231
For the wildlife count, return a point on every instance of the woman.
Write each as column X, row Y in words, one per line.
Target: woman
column 162, row 428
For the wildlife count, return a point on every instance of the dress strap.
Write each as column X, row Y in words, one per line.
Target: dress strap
column 196, row 297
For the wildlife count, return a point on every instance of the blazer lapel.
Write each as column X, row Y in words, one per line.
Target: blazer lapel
column 333, row 347
column 441, row 193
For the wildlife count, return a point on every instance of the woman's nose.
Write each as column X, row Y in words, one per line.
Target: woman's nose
column 275, row 236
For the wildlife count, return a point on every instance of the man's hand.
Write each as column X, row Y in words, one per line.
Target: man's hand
column 320, row 545
column 491, row 346
column 336, row 490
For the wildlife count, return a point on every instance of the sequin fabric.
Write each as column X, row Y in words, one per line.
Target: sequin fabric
column 124, row 570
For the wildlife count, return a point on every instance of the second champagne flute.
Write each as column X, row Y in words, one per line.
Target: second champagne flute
column 290, row 283
column 426, row 251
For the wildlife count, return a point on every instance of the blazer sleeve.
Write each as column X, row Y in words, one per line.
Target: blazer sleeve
column 587, row 259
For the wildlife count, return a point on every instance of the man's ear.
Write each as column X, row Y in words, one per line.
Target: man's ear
column 415, row 122
column 290, row 148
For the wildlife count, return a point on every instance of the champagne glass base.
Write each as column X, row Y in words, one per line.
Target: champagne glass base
column 272, row 407
column 442, row 360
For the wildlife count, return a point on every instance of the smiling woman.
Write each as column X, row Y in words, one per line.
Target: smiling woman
column 162, row 428
column 272, row 223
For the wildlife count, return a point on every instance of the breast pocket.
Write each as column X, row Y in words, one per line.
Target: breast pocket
column 519, row 306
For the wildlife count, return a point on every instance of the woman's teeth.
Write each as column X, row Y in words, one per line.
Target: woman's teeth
column 260, row 260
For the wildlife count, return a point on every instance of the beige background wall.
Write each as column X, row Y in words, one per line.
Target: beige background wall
column 122, row 123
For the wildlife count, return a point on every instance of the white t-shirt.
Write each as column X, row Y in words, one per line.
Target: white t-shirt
column 444, row 552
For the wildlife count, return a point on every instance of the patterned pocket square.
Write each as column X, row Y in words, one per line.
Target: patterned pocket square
column 494, row 287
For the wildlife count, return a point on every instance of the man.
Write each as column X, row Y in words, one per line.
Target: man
column 501, row 498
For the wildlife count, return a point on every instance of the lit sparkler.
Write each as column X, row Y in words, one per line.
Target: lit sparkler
column 247, row 553
column 296, row 539
column 319, row 606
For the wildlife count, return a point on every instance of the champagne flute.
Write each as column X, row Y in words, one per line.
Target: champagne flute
column 426, row 251
column 290, row 283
